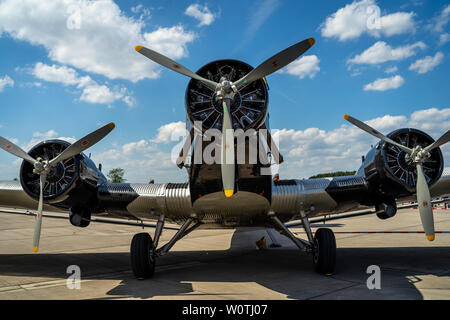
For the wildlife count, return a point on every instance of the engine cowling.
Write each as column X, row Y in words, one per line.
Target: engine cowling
column 398, row 166
column 390, row 172
column 71, row 183
column 248, row 108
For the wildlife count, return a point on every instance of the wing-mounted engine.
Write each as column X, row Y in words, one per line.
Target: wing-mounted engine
column 58, row 171
column 391, row 171
column 248, row 108
column 405, row 159
column 70, row 184
column 398, row 165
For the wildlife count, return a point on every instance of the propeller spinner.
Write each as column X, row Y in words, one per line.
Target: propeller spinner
column 225, row 91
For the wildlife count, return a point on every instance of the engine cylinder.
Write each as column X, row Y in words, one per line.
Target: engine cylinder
column 391, row 173
column 59, row 181
column 400, row 168
column 248, row 108
column 71, row 183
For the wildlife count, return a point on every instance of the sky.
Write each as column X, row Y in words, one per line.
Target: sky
column 68, row 67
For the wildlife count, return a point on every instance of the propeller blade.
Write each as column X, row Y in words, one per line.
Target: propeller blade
column 439, row 142
column 228, row 166
column 276, row 62
column 375, row 133
column 424, row 202
column 82, row 144
column 172, row 65
column 38, row 221
column 10, row 147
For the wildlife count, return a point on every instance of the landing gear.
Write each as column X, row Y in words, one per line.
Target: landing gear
column 143, row 250
column 142, row 258
column 80, row 217
column 322, row 246
column 324, row 255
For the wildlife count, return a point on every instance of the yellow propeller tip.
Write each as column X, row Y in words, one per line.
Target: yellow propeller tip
column 138, row 48
column 112, row 125
column 346, row 116
column 229, row 193
column 311, row 41
column 430, row 238
column 35, row 249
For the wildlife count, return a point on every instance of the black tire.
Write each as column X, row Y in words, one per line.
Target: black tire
column 324, row 256
column 142, row 261
column 79, row 217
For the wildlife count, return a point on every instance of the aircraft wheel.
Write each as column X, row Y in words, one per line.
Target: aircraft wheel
column 80, row 217
column 142, row 260
column 324, row 256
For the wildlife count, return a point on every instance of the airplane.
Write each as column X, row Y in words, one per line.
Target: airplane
column 231, row 191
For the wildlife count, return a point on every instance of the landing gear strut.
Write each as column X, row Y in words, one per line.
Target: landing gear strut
column 322, row 246
column 143, row 250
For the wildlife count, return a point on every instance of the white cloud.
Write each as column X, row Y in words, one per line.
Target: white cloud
column 381, row 52
column 314, row 150
column 140, row 147
column 6, row 81
column 392, row 69
column 92, row 91
column 141, row 168
column 426, row 120
column 93, row 36
column 396, row 23
column 137, row 8
column 100, row 94
column 170, row 132
column 444, row 38
column 306, row 66
column 384, row 84
column 54, row 73
column 364, row 16
column 148, row 159
column 145, row 12
column 33, row 84
column 201, row 13
column 42, row 136
column 427, row 64
column 439, row 22
column 129, row 100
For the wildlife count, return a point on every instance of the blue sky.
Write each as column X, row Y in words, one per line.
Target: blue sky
column 68, row 67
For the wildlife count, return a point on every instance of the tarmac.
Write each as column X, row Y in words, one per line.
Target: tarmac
column 224, row 264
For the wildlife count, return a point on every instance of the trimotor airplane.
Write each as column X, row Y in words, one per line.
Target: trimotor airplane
column 225, row 96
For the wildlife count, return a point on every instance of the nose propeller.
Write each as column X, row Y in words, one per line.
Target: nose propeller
column 225, row 91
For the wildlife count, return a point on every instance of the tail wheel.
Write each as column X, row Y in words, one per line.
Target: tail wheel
column 324, row 251
column 142, row 260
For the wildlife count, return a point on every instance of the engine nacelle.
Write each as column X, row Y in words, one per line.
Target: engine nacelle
column 248, row 108
column 389, row 171
column 71, row 183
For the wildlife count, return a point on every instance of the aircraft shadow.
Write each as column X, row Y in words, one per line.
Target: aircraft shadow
column 285, row 272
